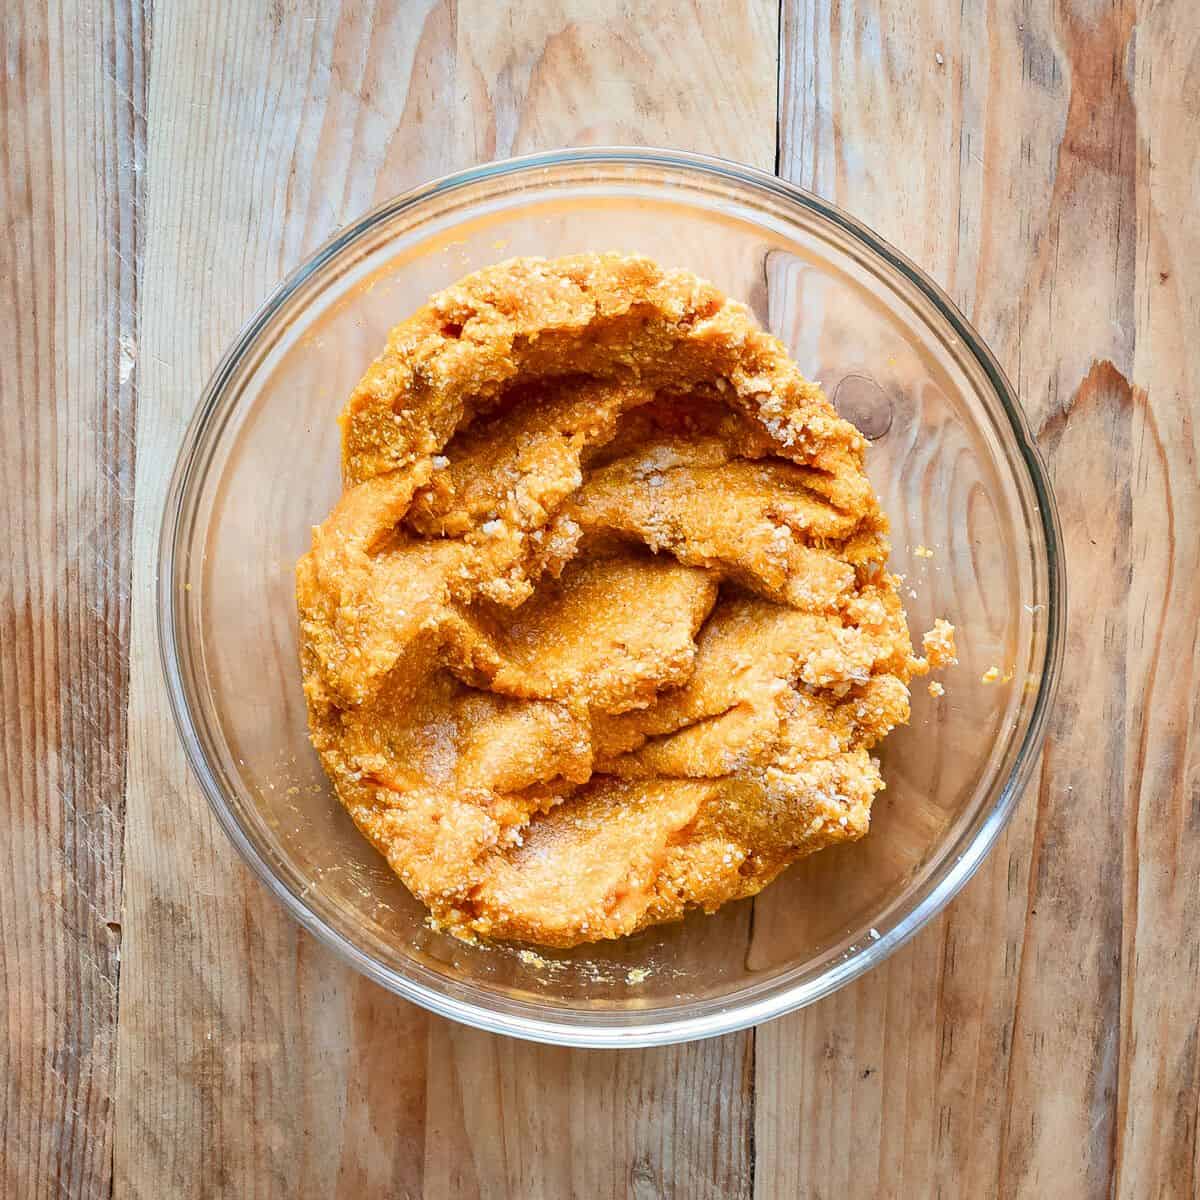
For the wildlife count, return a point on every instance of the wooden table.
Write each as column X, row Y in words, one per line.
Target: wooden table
column 168, row 1031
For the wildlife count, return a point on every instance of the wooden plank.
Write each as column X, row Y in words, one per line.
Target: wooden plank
column 1024, row 156
column 72, row 104
column 695, row 76
column 1157, row 1150
column 507, row 1119
column 511, row 1119
column 251, row 1062
column 231, row 1019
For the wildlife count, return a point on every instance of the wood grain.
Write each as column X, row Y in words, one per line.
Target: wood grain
column 1015, row 151
column 249, row 166
column 72, row 102
column 271, row 126
column 522, row 1120
column 1157, row 1134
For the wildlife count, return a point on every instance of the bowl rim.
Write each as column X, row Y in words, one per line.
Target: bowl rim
column 933, row 894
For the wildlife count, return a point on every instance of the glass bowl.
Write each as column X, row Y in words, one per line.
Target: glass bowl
column 973, row 527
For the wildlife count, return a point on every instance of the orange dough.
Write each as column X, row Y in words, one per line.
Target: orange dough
column 600, row 629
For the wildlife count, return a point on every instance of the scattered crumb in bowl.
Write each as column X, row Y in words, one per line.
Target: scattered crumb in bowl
column 601, row 628
column 938, row 644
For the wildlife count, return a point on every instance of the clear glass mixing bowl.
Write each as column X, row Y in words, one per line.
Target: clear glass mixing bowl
column 950, row 455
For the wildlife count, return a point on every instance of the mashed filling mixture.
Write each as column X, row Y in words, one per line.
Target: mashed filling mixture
column 600, row 629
